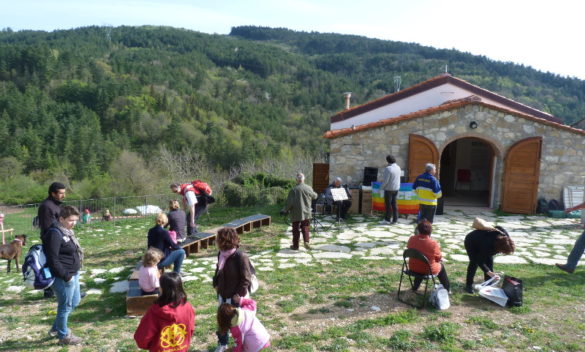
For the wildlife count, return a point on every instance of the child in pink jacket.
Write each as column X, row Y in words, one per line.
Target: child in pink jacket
column 248, row 332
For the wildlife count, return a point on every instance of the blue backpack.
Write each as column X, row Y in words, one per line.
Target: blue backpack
column 37, row 275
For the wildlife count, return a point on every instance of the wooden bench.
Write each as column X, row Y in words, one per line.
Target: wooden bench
column 248, row 223
column 136, row 302
column 200, row 240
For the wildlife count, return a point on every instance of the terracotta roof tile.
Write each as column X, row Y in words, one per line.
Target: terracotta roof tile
column 445, row 107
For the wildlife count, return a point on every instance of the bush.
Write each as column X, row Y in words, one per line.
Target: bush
column 256, row 189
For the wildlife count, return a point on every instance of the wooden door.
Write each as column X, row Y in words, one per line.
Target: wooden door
column 421, row 151
column 320, row 177
column 521, row 175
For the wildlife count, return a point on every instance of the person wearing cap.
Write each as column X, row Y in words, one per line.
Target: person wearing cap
column 578, row 248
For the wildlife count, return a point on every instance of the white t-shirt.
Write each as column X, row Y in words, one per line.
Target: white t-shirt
column 190, row 198
column 148, row 278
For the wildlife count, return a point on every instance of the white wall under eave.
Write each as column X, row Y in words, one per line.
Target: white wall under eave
column 424, row 100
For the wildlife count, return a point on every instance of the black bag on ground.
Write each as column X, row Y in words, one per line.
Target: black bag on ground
column 513, row 288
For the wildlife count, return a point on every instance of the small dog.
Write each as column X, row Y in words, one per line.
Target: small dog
column 13, row 250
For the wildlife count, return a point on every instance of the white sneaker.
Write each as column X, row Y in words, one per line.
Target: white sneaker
column 384, row 222
column 221, row 348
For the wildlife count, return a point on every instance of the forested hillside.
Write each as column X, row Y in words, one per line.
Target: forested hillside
column 77, row 104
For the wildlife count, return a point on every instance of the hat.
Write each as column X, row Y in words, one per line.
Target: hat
column 481, row 224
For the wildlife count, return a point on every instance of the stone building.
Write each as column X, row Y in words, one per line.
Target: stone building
column 491, row 150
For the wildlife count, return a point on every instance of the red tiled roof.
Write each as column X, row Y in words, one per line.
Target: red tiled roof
column 445, row 107
column 435, row 82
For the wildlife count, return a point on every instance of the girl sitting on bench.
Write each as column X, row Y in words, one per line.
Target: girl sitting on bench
column 148, row 275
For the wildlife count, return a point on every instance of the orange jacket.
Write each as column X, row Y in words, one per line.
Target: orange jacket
column 430, row 248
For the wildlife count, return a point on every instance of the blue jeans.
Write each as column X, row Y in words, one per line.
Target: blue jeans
column 68, row 298
column 576, row 252
column 176, row 257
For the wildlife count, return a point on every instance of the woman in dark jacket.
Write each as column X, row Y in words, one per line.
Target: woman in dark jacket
column 481, row 246
column 159, row 238
column 232, row 273
column 177, row 220
column 64, row 256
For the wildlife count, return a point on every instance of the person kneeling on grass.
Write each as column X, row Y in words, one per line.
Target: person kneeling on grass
column 423, row 243
column 149, row 275
column 248, row 332
column 170, row 322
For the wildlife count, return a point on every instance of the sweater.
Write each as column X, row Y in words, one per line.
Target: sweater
column 391, row 178
column 248, row 332
column 480, row 246
column 159, row 238
column 166, row 329
column 177, row 222
column 430, row 248
column 48, row 213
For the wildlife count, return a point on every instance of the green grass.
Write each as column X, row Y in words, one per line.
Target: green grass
column 318, row 307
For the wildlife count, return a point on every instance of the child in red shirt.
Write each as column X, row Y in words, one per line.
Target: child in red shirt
column 170, row 322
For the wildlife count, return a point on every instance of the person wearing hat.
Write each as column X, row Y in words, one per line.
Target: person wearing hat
column 481, row 245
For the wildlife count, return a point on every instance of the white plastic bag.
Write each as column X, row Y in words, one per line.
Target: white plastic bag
column 488, row 290
column 254, row 284
column 439, row 297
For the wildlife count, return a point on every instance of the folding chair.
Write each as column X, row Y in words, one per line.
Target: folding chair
column 415, row 254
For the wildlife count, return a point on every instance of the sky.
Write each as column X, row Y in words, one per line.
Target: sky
column 546, row 35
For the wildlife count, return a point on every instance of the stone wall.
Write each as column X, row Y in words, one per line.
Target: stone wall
column 562, row 159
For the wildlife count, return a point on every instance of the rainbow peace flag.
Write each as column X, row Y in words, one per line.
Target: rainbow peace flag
column 378, row 197
column 407, row 200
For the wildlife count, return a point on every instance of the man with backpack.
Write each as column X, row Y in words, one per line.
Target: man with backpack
column 196, row 197
column 48, row 213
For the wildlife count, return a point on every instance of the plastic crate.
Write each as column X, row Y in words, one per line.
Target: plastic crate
column 574, row 214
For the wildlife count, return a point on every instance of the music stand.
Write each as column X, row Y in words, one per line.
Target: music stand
column 339, row 195
column 314, row 220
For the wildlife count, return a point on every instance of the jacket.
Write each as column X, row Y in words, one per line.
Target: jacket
column 427, row 189
column 177, row 222
column 166, row 329
column 430, row 248
column 391, row 178
column 248, row 332
column 61, row 253
column 299, row 202
column 159, row 238
column 480, row 246
column 234, row 277
column 48, row 213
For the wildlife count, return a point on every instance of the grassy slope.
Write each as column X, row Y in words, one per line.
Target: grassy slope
column 324, row 307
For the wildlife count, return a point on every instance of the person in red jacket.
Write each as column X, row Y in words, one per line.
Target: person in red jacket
column 423, row 242
column 170, row 322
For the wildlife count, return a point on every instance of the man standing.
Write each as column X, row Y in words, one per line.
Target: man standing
column 299, row 204
column 48, row 213
column 391, row 186
column 578, row 248
column 428, row 190
column 192, row 206
column 343, row 205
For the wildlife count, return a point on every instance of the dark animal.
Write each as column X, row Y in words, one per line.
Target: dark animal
column 13, row 250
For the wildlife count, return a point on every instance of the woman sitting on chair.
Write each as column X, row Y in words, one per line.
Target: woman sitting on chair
column 423, row 243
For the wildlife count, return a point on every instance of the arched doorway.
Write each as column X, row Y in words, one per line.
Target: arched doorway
column 466, row 172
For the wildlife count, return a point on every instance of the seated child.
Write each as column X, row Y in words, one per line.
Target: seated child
column 86, row 217
column 248, row 332
column 148, row 275
column 169, row 323
column 107, row 216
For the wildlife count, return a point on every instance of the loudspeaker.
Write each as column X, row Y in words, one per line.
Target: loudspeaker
column 370, row 175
